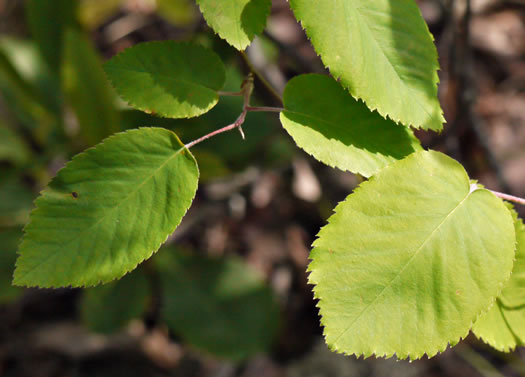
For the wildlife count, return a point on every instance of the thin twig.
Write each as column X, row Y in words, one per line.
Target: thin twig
column 510, row 198
column 261, row 78
column 246, row 92
column 217, row 132
column 265, row 109
column 230, row 94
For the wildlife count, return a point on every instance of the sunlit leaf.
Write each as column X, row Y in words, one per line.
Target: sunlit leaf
column 325, row 121
column 110, row 208
column 381, row 51
column 410, row 260
column 171, row 79
column 503, row 326
column 236, row 21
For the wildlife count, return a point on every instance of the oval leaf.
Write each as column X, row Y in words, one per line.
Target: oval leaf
column 410, row 260
column 174, row 80
column 218, row 305
column 325, row 121
column 503, row 326
column 110, row 208
column 381, row 51
column 236, row 21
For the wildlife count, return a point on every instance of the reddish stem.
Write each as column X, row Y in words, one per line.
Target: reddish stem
column 510, row 198
column 265, row 109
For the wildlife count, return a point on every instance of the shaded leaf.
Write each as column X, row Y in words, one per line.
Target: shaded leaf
column 218, row 305
column 110, row 307
column 47, row 22
column 325, row 121
column 381, row 51
column 503, row 326
column 171, row 79
column 410, row 260
column 8, row 243
column 110, row 208
column 87, row 89
column 236, row 21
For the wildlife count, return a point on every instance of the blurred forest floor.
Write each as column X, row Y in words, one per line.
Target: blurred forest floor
column 270, row 200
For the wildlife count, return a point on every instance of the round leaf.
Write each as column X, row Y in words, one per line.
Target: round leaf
column 410, row 260
column 236, row 21
column 381, row 51
column 503, row 326
column 171, row 79
column 325, row 121
column 218, row 305
column 110, row 208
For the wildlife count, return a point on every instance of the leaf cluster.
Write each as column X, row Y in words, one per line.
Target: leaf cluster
column 411, row 261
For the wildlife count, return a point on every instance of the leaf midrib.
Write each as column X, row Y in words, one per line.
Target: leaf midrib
column 416, row 253
column 82, row 233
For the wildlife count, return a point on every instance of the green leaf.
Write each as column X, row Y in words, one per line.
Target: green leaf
column 340, row 131
column 110, row 307
column 87, row 89
column 109, row 209
column 381, row 51
column 236, row 21
column 8, row 243
column 218, row 305
column 503, row 326
column 47, row 21
column 174, row 80
column 410, row 260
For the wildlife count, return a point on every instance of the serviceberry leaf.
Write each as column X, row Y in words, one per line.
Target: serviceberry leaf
column 503, row 326
column 107, row 210
column 410, row 260
column 381, row 51
column 340, row 131
column 170, row 79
